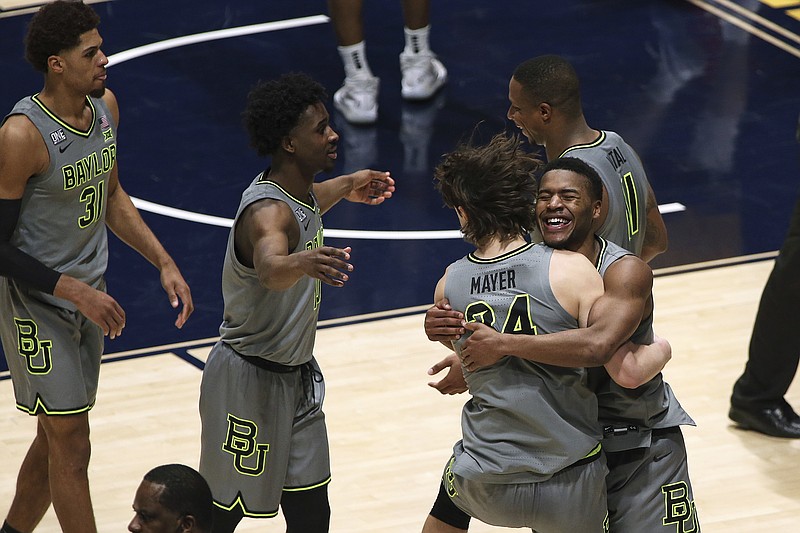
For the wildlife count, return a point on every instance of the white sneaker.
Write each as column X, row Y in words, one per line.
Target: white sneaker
column 423, row 75
column 357, row 100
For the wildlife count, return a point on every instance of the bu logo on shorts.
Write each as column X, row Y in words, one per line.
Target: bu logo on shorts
column 449, row 479
column 678, row 509
column 250, row 458
column 30, row 346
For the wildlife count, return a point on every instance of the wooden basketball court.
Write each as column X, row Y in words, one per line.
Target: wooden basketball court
column 391, row 434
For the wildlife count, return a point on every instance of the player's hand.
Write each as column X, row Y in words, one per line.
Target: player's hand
column 480, row 349
column 97, row 306
column 328, row 264
column 442, row 323
column 177, row 291
column 453, row 382
column 103, row 310
column 370, row 187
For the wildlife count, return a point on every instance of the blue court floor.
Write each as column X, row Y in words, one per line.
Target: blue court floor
column 707, row 91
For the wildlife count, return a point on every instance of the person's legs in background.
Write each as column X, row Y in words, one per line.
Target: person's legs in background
column 757, row 402
column 423, row 74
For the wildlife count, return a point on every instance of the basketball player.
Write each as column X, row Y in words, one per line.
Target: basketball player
column 264, row 441
column 544, row 93
column 530, row 454
column 648, row 483
column 59, row 190
column 545, row 104
column 172, row 498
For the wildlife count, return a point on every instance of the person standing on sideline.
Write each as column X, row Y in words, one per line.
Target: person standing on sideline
column 170, row 498
column 530, row 453
column 757, row 401
column 59, row 190
column 264, row 442
column 423, row 73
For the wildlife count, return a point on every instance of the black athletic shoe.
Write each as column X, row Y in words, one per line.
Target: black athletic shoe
column 777, row 421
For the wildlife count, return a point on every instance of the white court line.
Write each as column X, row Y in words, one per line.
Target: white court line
column 673, row 207
column 777, row 28
column 144, row 205
column 15, row 8
column 749, row 28
column 201, row 218
column 215, row 35
column 159, row 209
column 211, row 220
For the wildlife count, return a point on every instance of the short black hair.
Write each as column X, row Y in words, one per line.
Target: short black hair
column 581, row 168
column 274, row 108
column 494, row 184
column 56, row 27
column 553, row 80
column 185, row 492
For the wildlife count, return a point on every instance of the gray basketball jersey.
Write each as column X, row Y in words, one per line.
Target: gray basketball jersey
column 628, row 415
column 626, row 185
column 62, row 221
column 279, row 326
column 609, row 254
column 525, row 421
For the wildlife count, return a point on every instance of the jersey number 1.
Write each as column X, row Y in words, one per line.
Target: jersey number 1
column 631, row 204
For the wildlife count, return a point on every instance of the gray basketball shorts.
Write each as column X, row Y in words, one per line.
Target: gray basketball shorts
column 53, row 354
column 574, row 499
column 263, row 432
column 649, row 488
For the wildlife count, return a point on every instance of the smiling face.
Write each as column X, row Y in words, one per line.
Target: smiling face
column 314, row 141
column 565, row 210
column 524, row 113
column 83, row 66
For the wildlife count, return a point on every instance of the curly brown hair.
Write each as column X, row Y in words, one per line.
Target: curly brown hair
column 56, row 27
column 274, row 108
column 494, row 184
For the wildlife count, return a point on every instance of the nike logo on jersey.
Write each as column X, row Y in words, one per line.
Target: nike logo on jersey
column 62, row 149
column 657, row 458
column 616, row 431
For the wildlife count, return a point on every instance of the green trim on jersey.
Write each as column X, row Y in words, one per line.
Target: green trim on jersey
column 595, row 450
column 264, row 181
column 62, row 123
column 310, row 487
column 240, row 504
column 41, row 408
column 481, row 261
column 592, row 144
column 250, row 514
column 603, row 249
